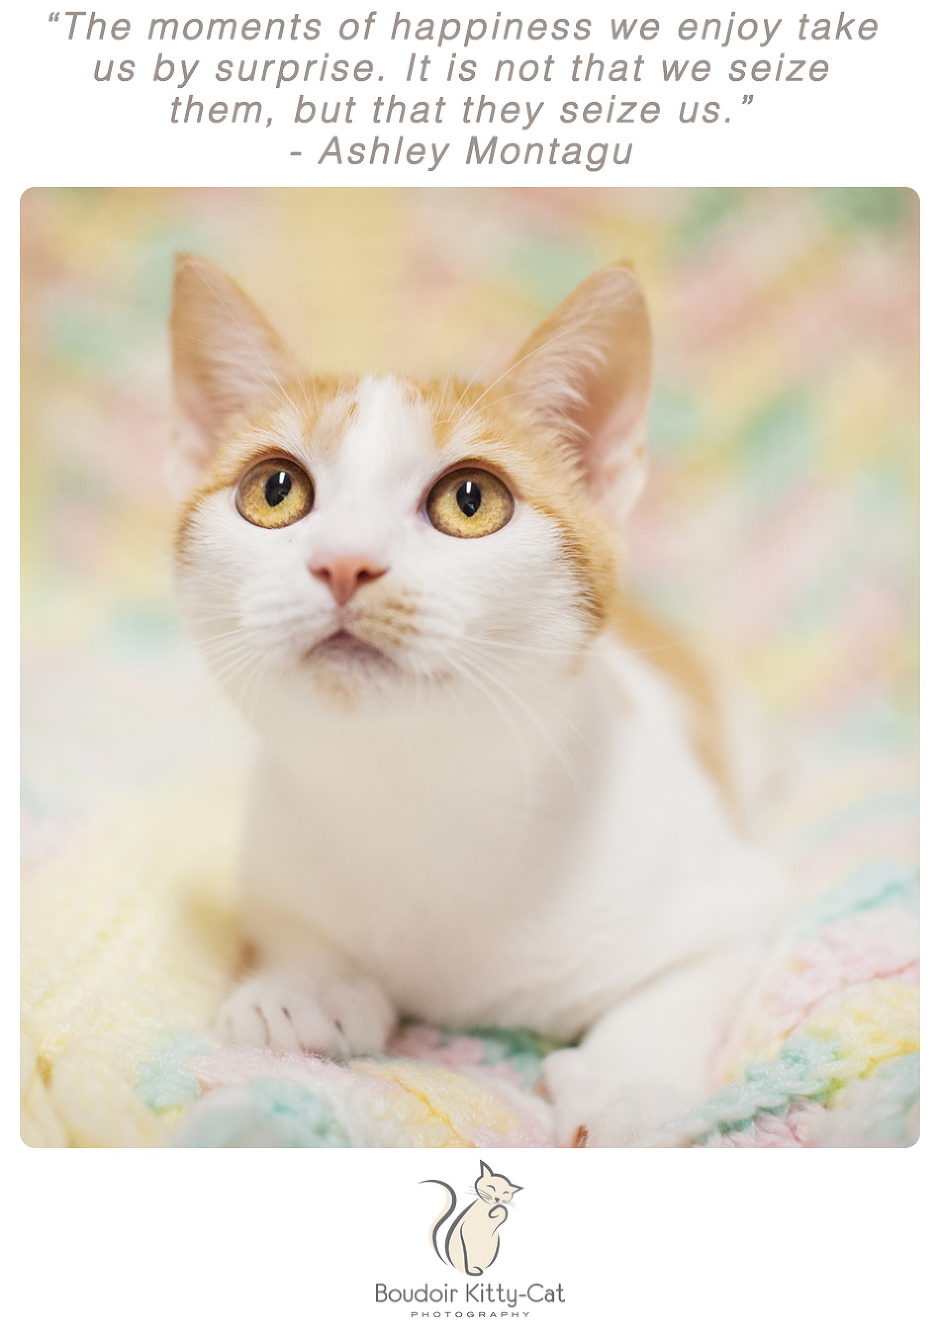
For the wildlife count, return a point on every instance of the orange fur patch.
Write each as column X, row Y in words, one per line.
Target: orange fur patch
column 326, row 406
column 660, row 646
column 539, row 468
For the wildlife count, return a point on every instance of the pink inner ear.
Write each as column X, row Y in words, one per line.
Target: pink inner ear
column 227, row 359
column 614, row 460
column 586, row 372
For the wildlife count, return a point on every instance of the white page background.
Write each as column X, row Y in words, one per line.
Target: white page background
column 642, row 1241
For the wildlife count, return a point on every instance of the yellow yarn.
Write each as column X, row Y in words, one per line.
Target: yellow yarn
column 871, row 1024
column 444, row 1107
column 129, row 936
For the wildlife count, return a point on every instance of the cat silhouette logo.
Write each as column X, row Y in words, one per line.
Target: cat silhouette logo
column 472, row 1240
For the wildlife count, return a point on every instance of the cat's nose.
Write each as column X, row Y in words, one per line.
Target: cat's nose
column 346, row 574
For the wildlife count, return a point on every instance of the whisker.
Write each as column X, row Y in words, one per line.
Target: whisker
column 281, row 397
column 247, row 333
column 549, row 705
column 520, row 647
column 569, row 766
column 462, row 669
column 567, row 329
column 523, row 321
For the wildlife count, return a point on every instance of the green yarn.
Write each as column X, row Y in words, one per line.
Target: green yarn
column 163, row 1082
column 523, row 1048
column 269, row 1112
column 295, row 1116
column 879, row 883
column 805, row 1066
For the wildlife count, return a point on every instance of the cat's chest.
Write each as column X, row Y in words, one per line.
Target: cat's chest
column 473, row 873
column 398, row 845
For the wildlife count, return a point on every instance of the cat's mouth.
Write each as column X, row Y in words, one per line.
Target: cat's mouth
column 344, row 647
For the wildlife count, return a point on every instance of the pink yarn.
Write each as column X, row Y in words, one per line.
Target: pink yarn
column 799, row 1127
column 847, row 952
column 462, row 1053
column 424, row 1042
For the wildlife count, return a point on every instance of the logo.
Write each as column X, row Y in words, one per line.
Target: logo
column 472, row 1239
column 468, row 1240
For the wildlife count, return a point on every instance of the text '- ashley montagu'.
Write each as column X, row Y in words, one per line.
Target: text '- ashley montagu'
column 481, row 152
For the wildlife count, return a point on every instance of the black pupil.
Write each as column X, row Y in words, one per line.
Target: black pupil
column 469, row 498
column 277, row 487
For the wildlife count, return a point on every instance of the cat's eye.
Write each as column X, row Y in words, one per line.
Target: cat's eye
column 469, row 503
column 274, row 494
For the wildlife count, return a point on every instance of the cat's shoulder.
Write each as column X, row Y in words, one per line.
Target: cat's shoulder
column 657, row 658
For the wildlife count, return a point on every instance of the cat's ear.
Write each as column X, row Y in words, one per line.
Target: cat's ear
column 485, row 1169
column 586, row 375
column 516, row 1188
column 227, row 360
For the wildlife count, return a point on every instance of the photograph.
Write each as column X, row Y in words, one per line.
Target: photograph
column 470, row 671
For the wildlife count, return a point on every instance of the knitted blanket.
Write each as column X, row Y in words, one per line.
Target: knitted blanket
column 130, row 943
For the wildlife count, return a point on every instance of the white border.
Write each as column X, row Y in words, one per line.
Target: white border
column 651, row 1242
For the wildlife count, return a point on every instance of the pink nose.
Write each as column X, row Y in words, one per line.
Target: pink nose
column 344, row 575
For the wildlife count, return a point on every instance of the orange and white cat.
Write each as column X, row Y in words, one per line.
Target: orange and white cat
column 475, row 802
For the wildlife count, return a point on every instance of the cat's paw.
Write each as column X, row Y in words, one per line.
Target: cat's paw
column 637, row 1116
column 590, row 1111
column 337, row 1020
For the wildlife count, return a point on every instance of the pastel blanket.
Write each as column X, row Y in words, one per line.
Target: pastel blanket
column 131, row 938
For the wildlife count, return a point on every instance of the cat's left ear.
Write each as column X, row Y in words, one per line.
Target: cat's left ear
column 516, row 1188
column 585, row 375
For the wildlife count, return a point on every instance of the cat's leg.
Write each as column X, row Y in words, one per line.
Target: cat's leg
column 645, row 1065
column 303, row 996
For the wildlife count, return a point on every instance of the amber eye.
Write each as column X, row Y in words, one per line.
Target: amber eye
column 274, row 494
column 469, row 503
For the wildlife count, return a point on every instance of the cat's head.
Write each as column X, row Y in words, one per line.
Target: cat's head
column 492, row 1188
column 366, row 541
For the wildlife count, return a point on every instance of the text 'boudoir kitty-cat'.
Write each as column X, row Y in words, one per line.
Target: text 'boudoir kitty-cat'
column 479, row 1292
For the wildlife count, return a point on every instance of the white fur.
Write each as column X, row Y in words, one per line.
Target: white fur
column 497, row 827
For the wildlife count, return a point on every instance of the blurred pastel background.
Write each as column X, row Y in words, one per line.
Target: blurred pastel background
column 779, row 527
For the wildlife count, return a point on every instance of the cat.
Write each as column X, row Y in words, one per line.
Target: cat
column 482, row 794
column 472, row 1241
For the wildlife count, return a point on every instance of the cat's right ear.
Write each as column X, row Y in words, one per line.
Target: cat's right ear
column 227, row 360
column 585, row 376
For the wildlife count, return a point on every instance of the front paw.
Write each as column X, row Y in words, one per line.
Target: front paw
column 337, row 1020
column 592, row 1110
